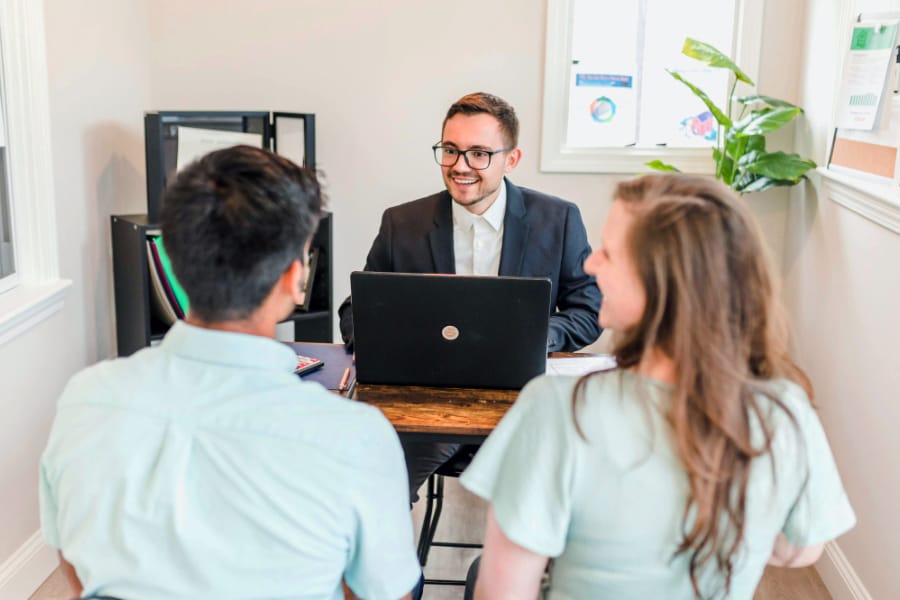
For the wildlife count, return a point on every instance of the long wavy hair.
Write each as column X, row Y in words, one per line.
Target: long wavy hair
column 711, row 307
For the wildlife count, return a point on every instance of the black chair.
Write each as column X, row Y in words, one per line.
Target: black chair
column 434, row 504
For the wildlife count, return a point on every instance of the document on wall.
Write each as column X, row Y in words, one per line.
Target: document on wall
column 602, row 109
column 194, row 142
column 867, row 65
column 580, row 365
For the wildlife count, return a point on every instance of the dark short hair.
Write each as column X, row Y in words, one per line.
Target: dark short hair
column 232, row 223
column 500, row 109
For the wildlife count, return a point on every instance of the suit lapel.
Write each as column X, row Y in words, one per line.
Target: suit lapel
column 515, row 232
column 441, row 237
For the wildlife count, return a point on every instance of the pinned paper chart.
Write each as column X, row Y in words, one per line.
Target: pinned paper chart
column 865, row 77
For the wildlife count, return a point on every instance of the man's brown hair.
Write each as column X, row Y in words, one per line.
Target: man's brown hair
column 500, row 109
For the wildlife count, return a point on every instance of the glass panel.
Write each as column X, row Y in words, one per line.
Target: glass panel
column 681, row 119
column 7, row 257
column 7, row 247
column 603, row 81
column 619, row 91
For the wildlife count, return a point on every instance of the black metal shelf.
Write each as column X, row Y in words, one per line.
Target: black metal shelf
column 136, row 323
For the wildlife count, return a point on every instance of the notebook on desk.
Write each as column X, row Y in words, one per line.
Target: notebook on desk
column 449, row 330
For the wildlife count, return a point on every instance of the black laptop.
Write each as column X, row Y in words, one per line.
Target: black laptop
column 449, row 330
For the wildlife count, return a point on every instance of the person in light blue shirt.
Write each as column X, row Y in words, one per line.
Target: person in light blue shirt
column 204, row 468
column 698, row 460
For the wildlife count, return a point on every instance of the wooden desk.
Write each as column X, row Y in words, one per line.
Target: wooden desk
column 441, row 414
column 461, row 415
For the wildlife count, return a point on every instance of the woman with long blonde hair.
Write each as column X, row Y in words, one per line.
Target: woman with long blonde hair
column 699, row 459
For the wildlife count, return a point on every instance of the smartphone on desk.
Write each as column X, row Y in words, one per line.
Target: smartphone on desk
column 307, row 364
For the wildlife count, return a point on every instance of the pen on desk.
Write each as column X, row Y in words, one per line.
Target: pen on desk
column 351, row 387
column 343, row 384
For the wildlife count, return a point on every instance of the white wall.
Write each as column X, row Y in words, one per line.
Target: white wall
column 99, row 81
column 379, row 78
column 843, row 287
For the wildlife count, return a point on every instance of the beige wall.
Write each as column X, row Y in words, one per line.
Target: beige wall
column 99, row 81
column 842, row 288
column 379, row 80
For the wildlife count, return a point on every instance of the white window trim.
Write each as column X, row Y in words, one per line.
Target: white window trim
column 558, row 158
column 40, row 291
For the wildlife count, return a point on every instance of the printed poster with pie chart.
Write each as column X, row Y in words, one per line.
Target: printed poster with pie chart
column 602, row 110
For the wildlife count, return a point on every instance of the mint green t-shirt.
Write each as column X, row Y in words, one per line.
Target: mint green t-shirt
column 205, row 469
column 609, row 510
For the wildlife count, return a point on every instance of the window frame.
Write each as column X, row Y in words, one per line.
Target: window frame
column 557, row 157
column 39, row 291
column 12, row 280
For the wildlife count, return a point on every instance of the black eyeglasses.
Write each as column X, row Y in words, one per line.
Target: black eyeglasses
column 447, row 156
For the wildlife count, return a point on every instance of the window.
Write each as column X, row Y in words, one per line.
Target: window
column 8, row 276
column 30, row 287
column 609, row 104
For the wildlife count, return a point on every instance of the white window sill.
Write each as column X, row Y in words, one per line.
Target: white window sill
column 26, row 305
column 876, row 201
column 624, row 161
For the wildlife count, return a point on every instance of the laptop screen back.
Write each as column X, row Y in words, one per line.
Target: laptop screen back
column 449, row 330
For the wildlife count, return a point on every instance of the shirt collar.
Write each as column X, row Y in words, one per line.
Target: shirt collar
column 227, row 348
column 494, row 215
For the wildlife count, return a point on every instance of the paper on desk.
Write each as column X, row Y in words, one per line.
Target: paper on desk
column 580, row 365
column 194, row 142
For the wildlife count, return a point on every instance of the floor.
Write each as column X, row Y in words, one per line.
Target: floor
column 462, row 520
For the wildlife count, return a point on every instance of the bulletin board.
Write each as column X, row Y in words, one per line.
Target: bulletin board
column 866, row 140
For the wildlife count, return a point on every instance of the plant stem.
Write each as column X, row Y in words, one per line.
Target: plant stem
column 723, row 132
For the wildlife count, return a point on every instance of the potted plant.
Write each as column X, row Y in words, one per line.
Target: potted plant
column 742, row 160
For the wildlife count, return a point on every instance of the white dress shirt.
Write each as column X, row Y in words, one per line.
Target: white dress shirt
column 478, row 239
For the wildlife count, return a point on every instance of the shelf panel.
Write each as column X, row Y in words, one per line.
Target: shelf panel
column 302, row 315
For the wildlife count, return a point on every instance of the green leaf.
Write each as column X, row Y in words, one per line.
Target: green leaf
column 724, row 165
column 658, row 165
column 774, row 102
column 765, row 121
column 779, row 165
column 751, row 143
column 713, row 57
column 720, row 116
column 743, row 180
column 763, row 183
column 746, row 119
column 755, row 143
column 749, row 157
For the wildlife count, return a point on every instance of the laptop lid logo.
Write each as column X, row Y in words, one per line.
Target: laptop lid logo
column 450, row 333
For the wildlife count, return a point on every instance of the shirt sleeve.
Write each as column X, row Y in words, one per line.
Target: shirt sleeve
column 822, row 510
column 382, row 561
column 48, row 510
column 574, row 324
column 525, row 468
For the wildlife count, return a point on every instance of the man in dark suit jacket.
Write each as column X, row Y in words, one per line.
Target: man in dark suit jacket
column 482, row 224
column 543, row 236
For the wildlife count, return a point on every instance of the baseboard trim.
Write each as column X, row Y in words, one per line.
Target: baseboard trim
column 839, row 576
column 23, row 572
